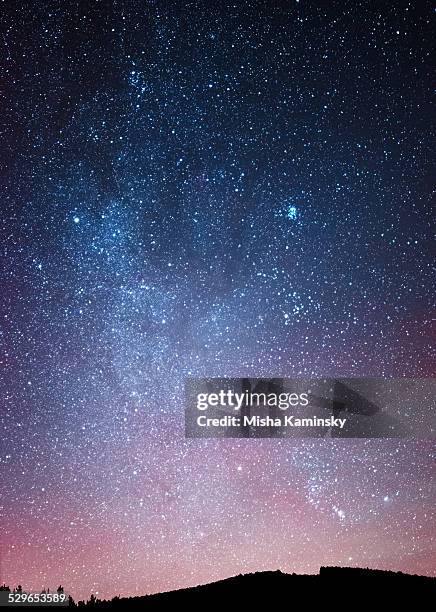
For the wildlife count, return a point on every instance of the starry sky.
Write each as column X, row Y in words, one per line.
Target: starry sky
column 208, row 189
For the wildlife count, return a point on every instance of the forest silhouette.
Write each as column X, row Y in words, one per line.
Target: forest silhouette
column 355, row 585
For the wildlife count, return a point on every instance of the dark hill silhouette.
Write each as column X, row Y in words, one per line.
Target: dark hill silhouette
column 352, row 585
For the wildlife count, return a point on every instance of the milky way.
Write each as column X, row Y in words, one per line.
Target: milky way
column 191, row 189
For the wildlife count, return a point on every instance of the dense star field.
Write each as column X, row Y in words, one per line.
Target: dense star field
column 199, row 188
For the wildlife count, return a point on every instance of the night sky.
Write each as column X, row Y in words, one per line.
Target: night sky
column 208, row 189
